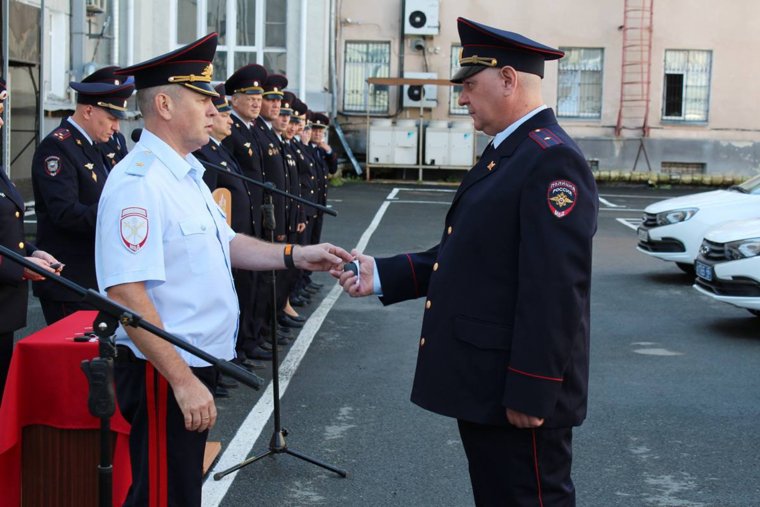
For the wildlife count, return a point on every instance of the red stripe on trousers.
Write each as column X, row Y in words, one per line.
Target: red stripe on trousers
column 538, row 475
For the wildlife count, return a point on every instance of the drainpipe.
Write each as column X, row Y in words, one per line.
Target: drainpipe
column 78, row 38
column 6, row 132
column 302, row 50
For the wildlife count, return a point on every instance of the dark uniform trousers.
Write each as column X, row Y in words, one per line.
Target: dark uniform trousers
column 13, row 288
column 243, row 211
column 68, row 175
column 507, row 311
column 172, row 459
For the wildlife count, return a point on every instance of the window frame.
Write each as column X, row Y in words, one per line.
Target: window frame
column 685, row 88
column 454, row 108
column 578, row 85
column 230, row 48
column 365, row 104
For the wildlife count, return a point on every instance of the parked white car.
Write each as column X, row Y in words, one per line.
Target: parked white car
column 672, row 230
column 728, row 265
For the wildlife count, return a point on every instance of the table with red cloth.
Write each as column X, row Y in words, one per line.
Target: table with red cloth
column 46, row 386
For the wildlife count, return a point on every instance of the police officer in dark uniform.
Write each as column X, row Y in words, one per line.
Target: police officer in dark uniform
column 274, row 168
column 327, row 163
column 242, row 210
column 13, row 276
column 245, row 87
column 504, row 346
column 68, row 174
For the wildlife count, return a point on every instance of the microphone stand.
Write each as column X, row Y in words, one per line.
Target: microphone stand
column 268, row 187
column 277, row 444
column 99, row 371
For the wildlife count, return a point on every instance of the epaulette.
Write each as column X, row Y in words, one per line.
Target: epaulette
column 140, row 163
column 61, row 134
column 545, row 138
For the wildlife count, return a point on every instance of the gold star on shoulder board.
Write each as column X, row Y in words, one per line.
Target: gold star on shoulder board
column 491, row 165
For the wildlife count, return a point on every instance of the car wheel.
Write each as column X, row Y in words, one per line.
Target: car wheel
column 756, row 313
column 686, row 268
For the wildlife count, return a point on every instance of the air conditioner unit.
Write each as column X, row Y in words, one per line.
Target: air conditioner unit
column 421, row 17
column 420, row 95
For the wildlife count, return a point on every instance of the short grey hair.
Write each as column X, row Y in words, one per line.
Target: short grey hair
column 146, row 97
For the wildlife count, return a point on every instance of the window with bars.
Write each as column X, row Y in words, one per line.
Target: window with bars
column 687, row 85
column 579, row 83
column 363, row 60
column 456, row 90
column 250, row 31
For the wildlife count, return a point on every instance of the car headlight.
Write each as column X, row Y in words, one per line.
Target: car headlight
column 675, row 215
column 743, row 249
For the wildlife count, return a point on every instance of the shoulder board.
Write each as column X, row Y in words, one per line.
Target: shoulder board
column 140, row 163
column 61, row 134
column 545, row 138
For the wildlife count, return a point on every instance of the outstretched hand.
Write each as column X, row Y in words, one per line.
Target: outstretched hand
column 361, row 285
column 322, row 257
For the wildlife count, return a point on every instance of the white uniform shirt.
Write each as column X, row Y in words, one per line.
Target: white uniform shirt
column 158, row 224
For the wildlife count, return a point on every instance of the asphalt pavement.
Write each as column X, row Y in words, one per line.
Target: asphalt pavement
column 673, row 392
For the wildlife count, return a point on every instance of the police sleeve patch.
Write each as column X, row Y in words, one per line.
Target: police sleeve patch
column 52, row 165
column 134, row 228
column 561, row 197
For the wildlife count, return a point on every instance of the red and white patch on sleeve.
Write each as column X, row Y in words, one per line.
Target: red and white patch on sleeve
column 561, row 197
column 134, row 228
column 52, row 165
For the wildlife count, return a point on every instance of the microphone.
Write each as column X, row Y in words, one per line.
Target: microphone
column 135, row 135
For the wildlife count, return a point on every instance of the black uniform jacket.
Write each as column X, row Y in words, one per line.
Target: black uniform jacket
column 273, row 164
column 326, row 165
column 295, row 209
column 114, row 149
column 244, row 149
column 307, row 175
column 241, row 201
column 506, row 319
column 13, row 290
column 68, row 175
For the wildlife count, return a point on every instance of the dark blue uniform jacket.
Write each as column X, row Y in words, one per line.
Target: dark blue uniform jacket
column 68, row 175
column 506, row 319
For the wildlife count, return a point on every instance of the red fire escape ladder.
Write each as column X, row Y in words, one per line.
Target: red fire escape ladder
column 636, row 72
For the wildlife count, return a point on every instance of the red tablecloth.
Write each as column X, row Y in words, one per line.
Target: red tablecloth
column 46, row 386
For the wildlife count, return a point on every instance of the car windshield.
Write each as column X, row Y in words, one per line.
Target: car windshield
column 751, row 186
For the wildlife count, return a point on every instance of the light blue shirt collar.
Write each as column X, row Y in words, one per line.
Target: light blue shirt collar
column 498, row 138
column 70, row 119
column 245, row 122
column 178, row 166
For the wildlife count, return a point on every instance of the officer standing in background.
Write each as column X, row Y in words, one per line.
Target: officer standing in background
column 245, row 87
column 504, row 346
column 68, row 174
column 164, row 249
column 13, row 277
column 327, row 163
column 242, row 210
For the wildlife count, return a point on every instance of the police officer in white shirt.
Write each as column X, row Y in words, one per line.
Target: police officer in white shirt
column 164, row 249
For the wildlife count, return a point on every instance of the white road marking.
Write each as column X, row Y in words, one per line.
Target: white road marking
column 608, row 203
column 631, row 223
column 242, row 443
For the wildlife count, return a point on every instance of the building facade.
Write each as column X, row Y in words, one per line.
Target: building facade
column 688, row 103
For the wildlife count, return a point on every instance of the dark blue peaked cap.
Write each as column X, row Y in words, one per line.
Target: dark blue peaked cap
column 248, row 79
column 189, row 66
column 487, row 47
column 104, row 89
column 220, row 102
column 274, row 85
